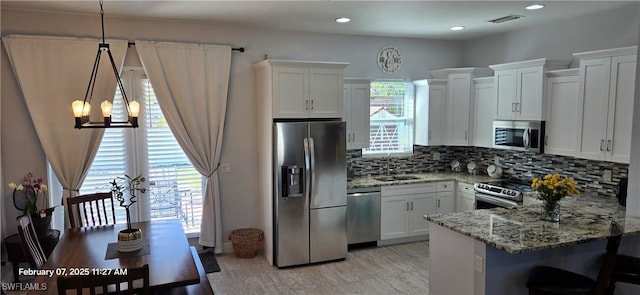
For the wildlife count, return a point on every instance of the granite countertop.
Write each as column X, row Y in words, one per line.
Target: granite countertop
column 370, row 181
column 583, row 218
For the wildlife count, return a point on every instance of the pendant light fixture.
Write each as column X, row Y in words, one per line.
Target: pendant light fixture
column 81, row 109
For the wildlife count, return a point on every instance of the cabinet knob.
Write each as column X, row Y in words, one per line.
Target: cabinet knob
column 609, row 146
column 306, row 104
column 438, row 203
column 411, row 205
column 312, row 104
column 513, row 107
column 602, row 145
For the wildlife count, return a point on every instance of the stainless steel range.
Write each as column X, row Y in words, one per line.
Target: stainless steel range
column 504, row 194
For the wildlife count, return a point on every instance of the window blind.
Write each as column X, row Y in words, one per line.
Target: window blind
column 174, row 187
column 391, row 118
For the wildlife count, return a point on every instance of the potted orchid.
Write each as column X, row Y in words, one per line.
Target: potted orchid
column 26, row 197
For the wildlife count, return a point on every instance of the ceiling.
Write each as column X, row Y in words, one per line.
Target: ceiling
column 413, row 19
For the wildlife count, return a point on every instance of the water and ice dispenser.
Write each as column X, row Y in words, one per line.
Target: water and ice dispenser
column 292, row 181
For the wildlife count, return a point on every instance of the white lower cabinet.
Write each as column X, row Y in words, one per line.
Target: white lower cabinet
column 403, row 208
column 465, row 197
column 445, row 198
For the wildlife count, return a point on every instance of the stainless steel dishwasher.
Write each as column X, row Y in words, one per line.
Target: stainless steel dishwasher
column 363, row 215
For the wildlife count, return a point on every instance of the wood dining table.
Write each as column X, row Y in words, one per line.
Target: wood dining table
column 84, row 250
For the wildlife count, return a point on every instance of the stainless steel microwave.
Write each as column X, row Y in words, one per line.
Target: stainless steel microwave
column 519, row 135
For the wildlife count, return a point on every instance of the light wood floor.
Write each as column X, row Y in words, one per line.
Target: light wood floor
column 397, row 269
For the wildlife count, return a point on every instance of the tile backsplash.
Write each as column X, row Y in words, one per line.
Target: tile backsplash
column 588, row 174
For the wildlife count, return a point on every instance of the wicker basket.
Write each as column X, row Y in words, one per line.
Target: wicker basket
column 246, row 242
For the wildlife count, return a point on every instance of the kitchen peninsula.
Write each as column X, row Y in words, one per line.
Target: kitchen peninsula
column 492, row 251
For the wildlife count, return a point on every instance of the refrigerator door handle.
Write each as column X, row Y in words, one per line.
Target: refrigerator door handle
column 312, row 151
column 307, row 167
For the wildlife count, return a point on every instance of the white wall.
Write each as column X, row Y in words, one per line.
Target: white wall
column 21, row 150
column 633, row 191
column 608, row 29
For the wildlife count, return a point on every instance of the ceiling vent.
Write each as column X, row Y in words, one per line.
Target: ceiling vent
column 505, row 18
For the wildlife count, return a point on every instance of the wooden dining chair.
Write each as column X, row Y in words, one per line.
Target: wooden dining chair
column 30, row 243
column 626, row 270
column 91, row 210
column 551, row 280
column 107, row 284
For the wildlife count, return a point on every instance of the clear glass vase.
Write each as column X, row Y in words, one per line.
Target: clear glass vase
column 550, row 211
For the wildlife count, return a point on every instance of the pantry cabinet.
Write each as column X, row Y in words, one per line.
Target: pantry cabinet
column 403, row 207
column 302, row 89
column 562, row 114
column 485, row 102
column 605, row 101
column 429, row 111
column 521, row 88
column 356, row 112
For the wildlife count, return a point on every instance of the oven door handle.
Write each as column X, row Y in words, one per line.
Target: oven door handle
column 496, row 201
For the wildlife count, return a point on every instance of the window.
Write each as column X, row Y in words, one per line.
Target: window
column 391, row 114
column 174, row 187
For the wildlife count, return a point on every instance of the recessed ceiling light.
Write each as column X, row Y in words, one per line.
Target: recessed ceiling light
column 534, row 7
column 343, row 20
column 456, row 28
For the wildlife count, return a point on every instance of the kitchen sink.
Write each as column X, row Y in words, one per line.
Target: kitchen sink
column 405, row 177
column 395, row 178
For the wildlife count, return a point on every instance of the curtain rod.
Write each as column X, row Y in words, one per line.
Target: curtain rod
column 241, row 49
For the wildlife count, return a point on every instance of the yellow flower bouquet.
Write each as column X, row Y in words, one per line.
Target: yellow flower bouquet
column 551, row 189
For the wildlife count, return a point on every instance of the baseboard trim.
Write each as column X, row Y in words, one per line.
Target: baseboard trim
column 403, row 240
column 227, row 247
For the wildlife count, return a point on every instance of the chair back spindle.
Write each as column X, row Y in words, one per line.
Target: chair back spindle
column 136, row 281
column 91, row 210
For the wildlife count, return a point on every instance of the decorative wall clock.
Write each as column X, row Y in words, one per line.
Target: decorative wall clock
column 389, row 59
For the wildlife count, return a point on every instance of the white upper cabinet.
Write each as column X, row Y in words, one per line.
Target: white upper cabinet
column 562, row 114
column 521, row 88
column 356, row 112
column 429, row 111
column 459, row 103
column 303, row 89
column 485, row 111
column 606, row 94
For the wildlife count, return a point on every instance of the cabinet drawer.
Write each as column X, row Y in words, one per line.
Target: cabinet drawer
column 397, row 190
column 445, row 186
column 466, row 188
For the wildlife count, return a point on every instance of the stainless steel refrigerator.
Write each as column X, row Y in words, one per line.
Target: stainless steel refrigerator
column 310, row 192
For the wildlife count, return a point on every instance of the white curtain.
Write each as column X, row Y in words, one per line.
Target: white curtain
column 52, row 72
column 191, row 83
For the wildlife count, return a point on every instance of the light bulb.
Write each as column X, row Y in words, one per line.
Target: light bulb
column 134, row 107
column 106, row 107
column 76, row 106
column 86, row 109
